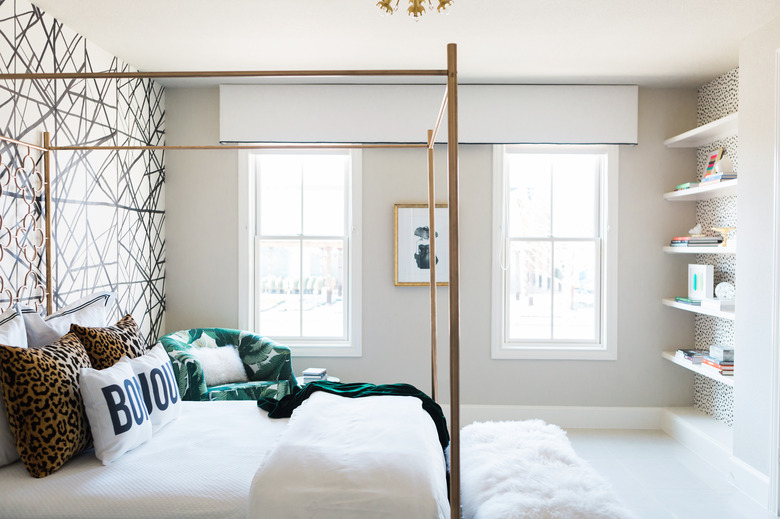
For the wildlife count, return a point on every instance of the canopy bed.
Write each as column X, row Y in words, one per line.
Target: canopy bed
column 158, row 478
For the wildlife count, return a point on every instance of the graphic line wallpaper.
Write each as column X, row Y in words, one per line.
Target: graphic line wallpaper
column 108, row 215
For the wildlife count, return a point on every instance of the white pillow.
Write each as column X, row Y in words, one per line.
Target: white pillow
column 221, row 365
column 11, row 334
column 90, row 311
column 115, row 409
column 159, row 386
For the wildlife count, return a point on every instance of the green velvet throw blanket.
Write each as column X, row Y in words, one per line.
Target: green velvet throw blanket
column 283, row 408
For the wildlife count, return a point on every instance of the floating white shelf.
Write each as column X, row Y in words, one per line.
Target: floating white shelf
column 697, row 368
column 705, row 134
column 704, row 192
column 700, row 250
column 725, row 314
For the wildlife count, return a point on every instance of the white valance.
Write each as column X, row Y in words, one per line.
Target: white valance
column 490, row 114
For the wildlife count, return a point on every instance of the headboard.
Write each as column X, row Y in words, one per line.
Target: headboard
column 24, row 231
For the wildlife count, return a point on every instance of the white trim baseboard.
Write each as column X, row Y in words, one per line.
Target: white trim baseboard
column 698, row 432
column 567, row 417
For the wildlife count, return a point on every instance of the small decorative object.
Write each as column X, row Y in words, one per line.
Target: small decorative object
column 725, row 290
column 696, row 231
column 416, row 7
column 713, row 158
column 724, row 165
column 725, row 232
column 412, row 245
column 700, row 281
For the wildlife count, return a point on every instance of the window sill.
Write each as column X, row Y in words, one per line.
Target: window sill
column 552, row 353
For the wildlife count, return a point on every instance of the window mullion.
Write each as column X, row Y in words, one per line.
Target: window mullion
column 300, row 259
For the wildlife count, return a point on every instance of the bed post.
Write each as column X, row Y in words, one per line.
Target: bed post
column 432, row 263
column 48, row 218
column 452, row 168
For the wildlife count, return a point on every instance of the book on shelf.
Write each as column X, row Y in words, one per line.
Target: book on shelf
column 717, row 177
column 686, row 185
column 704, row 239
column 720, row 364
column 694, row 356
column 717, row 371
column 688, row 301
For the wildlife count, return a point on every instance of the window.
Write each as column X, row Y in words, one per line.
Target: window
column 306, row 249
column 555, row 272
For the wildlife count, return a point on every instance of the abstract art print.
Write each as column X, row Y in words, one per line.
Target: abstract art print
column 412, row 245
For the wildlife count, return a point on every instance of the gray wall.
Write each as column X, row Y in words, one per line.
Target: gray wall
column 202, row 258
column 757, row 182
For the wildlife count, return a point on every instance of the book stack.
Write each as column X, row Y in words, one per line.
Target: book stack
column 680, row 241
column 720, row 360
column 705, row 241
column 693, row 356
column 314, row 375
column 688, row 301
column 722, row 367
column 712, row 178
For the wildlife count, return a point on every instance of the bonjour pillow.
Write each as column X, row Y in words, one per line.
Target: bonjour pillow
column 45, row 410
column 12, row 334
column 115, row 407
column 108, row 344
column 158, row 384
column 92, row 310
column 221, row 365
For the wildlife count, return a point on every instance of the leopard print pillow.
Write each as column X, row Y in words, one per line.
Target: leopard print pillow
column 105, row 346
column 45, row 411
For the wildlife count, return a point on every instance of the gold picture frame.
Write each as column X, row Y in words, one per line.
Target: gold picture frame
column 411, row 245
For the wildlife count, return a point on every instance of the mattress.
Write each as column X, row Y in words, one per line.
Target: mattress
column 200, row 465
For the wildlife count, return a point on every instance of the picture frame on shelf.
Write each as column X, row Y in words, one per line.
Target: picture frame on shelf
column 712, row 158
column 700, row 281
column 412, row 245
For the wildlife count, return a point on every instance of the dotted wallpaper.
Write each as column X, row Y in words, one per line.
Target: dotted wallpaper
column 717, row 99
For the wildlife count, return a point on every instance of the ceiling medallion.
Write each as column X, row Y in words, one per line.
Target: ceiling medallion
column 416, row 7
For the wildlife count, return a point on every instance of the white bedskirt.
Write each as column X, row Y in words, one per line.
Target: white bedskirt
column 198, row 466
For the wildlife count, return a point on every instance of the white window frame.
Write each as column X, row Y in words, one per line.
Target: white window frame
column 606, row 349
column 247, row 252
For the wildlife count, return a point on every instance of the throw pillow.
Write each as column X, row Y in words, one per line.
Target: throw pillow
column 160, row 390
column 221, row 365
column 107, row 345
column 11, row 333
column 115, row 407
column 92, row 310
column 45, row 409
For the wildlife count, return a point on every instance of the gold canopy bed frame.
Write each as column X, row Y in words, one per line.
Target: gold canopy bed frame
column 449, row 107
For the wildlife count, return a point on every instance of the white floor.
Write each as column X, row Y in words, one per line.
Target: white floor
column 658, row 478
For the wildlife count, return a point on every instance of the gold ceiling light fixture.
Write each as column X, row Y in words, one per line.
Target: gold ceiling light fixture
column 416, row 7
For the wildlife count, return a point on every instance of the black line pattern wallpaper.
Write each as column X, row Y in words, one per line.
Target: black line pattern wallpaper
column 108, row 205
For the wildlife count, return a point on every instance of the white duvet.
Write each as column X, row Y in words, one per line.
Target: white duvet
column 354, row 458
column 198, row 466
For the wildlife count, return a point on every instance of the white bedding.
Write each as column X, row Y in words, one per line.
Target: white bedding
column 354, row 458
column 198, row 466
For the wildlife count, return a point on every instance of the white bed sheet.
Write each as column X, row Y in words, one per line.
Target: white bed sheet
column 375, row 457
column 200, row 465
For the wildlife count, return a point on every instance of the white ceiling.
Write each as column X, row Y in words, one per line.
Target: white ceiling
column 645, row 42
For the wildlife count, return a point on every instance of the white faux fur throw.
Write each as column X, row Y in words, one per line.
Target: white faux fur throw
column 528, row 470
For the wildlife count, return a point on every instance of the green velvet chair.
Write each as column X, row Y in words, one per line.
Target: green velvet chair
column 268, row 365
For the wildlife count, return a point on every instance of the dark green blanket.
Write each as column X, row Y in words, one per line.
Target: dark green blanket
column 283, row 408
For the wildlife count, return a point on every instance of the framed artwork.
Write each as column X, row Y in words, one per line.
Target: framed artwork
column 713, row 157
column 700, row 281
column 412, row 245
